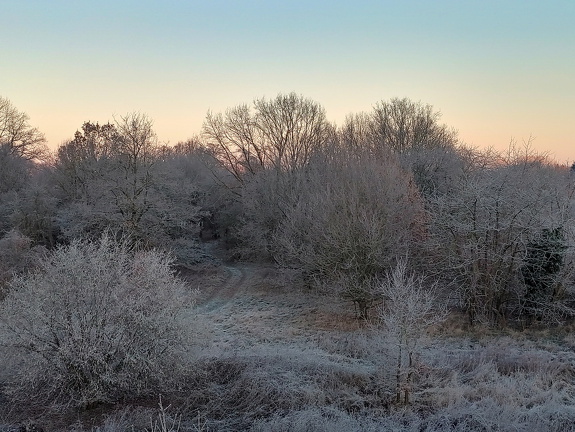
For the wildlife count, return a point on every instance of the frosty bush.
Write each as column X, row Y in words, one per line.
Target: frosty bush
column 96, row 322
column 16, row 255
column 410, row 308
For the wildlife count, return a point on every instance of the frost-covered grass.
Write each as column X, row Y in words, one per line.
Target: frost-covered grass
column 275, row 358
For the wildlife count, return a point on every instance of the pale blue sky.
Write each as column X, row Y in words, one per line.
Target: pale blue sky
column 495, row 69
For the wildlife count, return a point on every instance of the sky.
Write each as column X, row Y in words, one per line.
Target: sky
column 497, row 70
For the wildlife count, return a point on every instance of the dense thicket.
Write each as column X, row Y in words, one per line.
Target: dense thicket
column 485, row 231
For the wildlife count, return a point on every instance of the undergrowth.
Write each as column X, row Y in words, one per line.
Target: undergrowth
column 340, row 380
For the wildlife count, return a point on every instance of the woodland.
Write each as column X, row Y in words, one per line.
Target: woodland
column 279, row 272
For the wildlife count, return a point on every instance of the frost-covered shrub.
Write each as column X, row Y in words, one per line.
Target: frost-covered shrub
column 409, row 309
column 352, row 218
column 96, row 322
column 16, row 256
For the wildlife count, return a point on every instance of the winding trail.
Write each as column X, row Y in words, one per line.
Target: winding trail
column 219, row 295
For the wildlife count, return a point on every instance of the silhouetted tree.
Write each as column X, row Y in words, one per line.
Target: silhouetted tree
column 18, row 136
column 403, row 126
column 135, row 154
column 411, row 130
column 280, row 133
column 85, row 161
column 399, row 125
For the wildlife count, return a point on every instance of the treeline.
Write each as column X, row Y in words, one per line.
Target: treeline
column 337, row 206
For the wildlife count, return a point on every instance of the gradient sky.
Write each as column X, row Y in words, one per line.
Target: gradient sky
column 496, row 69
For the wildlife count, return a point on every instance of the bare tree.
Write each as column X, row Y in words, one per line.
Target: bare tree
column 293, row 127
column 399, row 125
column 410, row 307
column 17, row 135
column 135, row 154
column 411, row 130
column 356, row 133
column 84, row 175
column 117, row 176
column 280, row 133
column 403, row 125
column 85, row 161
column 349, row 220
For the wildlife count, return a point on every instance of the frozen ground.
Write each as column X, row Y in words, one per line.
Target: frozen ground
column 302, row 361
column 268, row 356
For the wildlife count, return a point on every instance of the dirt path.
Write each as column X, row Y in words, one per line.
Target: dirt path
column 218, row 295
column 217, row 284
column 246, row 304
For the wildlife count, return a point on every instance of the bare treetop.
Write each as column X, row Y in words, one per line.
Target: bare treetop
column 278, row 133
column 16, row 133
